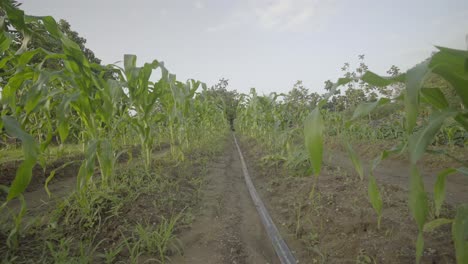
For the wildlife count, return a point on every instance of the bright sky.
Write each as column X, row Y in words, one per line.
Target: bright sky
column 267, row 44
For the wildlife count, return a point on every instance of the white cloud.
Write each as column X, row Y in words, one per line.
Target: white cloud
column 299, row 20
column 279, row 15
column 223, row 26
column 198, row 4
column 271, row 14
column 163, row 12
column 292, row 15
column 235, row 19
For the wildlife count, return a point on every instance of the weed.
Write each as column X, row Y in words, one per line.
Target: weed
column 157, row 239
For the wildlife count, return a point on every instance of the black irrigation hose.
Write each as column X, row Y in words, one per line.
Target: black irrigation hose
column 281, row 249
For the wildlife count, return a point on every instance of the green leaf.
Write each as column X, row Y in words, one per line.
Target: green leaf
column 76, row 58
column 27, row 56
column 460, row 233
column 105, row 155
column 22, row 179
column 462, row 119
column 5, row 60
column 385, row 154
column 5, row 42
column 376, row 80
column 63, row 130
column 435, row 97
column 430, row 226
column 51, row 26
column 415, row 77
column 419, row 247
column 313, row 134
column 375, row 198
column 356, row 161
column 439, row 189
column 129, row 63
column 15, row 15
column 365, row 108
column 13, row 128
column 30, row 151
column 35, row 94
column 439, row 186
column 450, row 65
column 417, row 198
column 87, row 167
column 454, row 52
column 419, row 141
column 52, row 175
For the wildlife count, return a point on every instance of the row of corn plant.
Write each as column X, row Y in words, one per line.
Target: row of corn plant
column 452, row 66
column 419, row 117
column 99, row 106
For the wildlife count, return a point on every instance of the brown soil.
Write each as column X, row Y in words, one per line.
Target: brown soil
column 39, row 175
column 396, row 172
column 8, row 172
column 339, row 224
column 154, row 203
column 227, row 228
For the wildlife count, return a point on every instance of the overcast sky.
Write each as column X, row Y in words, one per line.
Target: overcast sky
column 267, row 44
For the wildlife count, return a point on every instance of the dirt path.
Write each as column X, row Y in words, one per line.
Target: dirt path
column 397, row 172
column 227, row 228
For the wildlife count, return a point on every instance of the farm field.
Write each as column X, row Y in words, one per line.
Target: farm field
column 125, row 163
column 338, row 223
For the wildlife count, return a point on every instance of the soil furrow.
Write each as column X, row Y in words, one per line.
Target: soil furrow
column 227, row 228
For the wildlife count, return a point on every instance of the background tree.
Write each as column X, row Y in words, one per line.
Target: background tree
column 40, row 38
column 397, row 88
column 230, row 99
column 298, row 102
column 73, row 35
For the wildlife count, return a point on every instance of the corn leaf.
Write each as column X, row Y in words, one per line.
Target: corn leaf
column 52, row 175
column 417, row 198
column 419, row 247
column 5, row 42
column 51, row 26
column 430, row 226
column 375, row 198
column 313, row 134
column 377, row 80
column 356, row 161
column 462, row 119
column 365, row 108
column 30, row 151
column 434, row 97
column 460, row 233
column 450, row 65
column 439, row 189
column 419, row 141
column 414, row 79
column 15, row 15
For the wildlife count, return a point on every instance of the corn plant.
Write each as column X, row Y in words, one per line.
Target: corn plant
column 101, row 107
column 450, row 65
column 143, row 96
